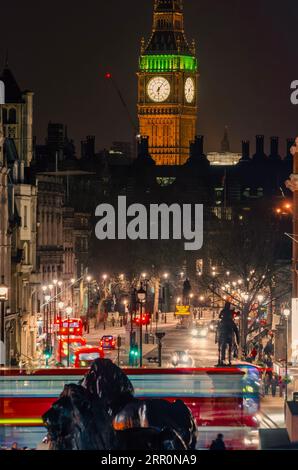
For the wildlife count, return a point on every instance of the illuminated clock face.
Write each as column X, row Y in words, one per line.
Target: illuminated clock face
column 159, row 89
column 189, row 90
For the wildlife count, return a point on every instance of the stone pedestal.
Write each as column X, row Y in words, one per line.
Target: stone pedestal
column 292, row 420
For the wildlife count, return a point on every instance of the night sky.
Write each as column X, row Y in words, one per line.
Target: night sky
column 247, row 53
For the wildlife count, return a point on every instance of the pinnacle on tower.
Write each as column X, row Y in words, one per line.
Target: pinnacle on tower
column 225, row 143
column 168, row 35
column 168, row 5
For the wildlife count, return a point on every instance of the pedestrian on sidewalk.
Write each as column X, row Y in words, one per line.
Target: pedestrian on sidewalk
column 253, row 354
column 267, row 383
column 218, row 443
column 282, row 386
column 274, row 384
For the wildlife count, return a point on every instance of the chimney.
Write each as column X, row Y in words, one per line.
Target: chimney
column 143, row 146
column 245, row 150
column 290, row 143
column 91, row 145
column 197, row 147
column 274, row 143
column 260, row 144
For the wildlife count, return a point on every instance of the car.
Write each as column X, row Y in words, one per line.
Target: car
column 199, row 331
column 182, row 359
column 213, row 325
column 108, row 342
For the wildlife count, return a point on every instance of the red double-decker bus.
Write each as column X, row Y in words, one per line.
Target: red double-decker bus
column 69, row 326
column 217, row 397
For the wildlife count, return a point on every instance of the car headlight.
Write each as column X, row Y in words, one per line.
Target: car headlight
column 194, row 332
column 204, row 332
column 185, row 358
column 175, row 358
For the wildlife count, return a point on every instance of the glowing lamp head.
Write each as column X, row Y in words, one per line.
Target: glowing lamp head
column 68, row 310
column 287, row 312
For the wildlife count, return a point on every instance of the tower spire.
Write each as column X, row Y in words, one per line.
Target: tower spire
column 168, row 35
column 168, row 5
column 225, row 143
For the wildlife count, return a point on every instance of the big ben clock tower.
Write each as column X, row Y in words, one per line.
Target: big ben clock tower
column 167, row 87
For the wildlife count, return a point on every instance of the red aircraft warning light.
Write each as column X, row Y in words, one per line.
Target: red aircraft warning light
column 108, row 75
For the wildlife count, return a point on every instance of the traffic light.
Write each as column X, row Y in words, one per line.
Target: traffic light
column 48, row 353
column 133, row 354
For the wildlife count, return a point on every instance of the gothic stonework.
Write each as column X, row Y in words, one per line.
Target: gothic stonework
column 167, row 86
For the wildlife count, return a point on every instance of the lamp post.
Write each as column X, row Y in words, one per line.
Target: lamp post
column 260, row 300
column 72, row 281
column 213, row 293
column 88, row 279
column 68, row 311
column 47, row 300
column 55, row 283
column 286, row 316
column 141, row 295
column 51, row 287
column 3, row 299
column 202, row 298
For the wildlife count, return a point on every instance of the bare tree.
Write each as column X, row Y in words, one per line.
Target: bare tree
column 248, row 271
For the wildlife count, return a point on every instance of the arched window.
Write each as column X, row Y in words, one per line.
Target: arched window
column 12, row 116
column 2, row 92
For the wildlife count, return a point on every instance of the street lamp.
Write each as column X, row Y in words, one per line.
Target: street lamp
column 141, row 296
column 47, row 299
column 88, row 279
column 60, row 307
column 3, row 299
column 286, row 313
column 68, row 311
column 202, row 299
